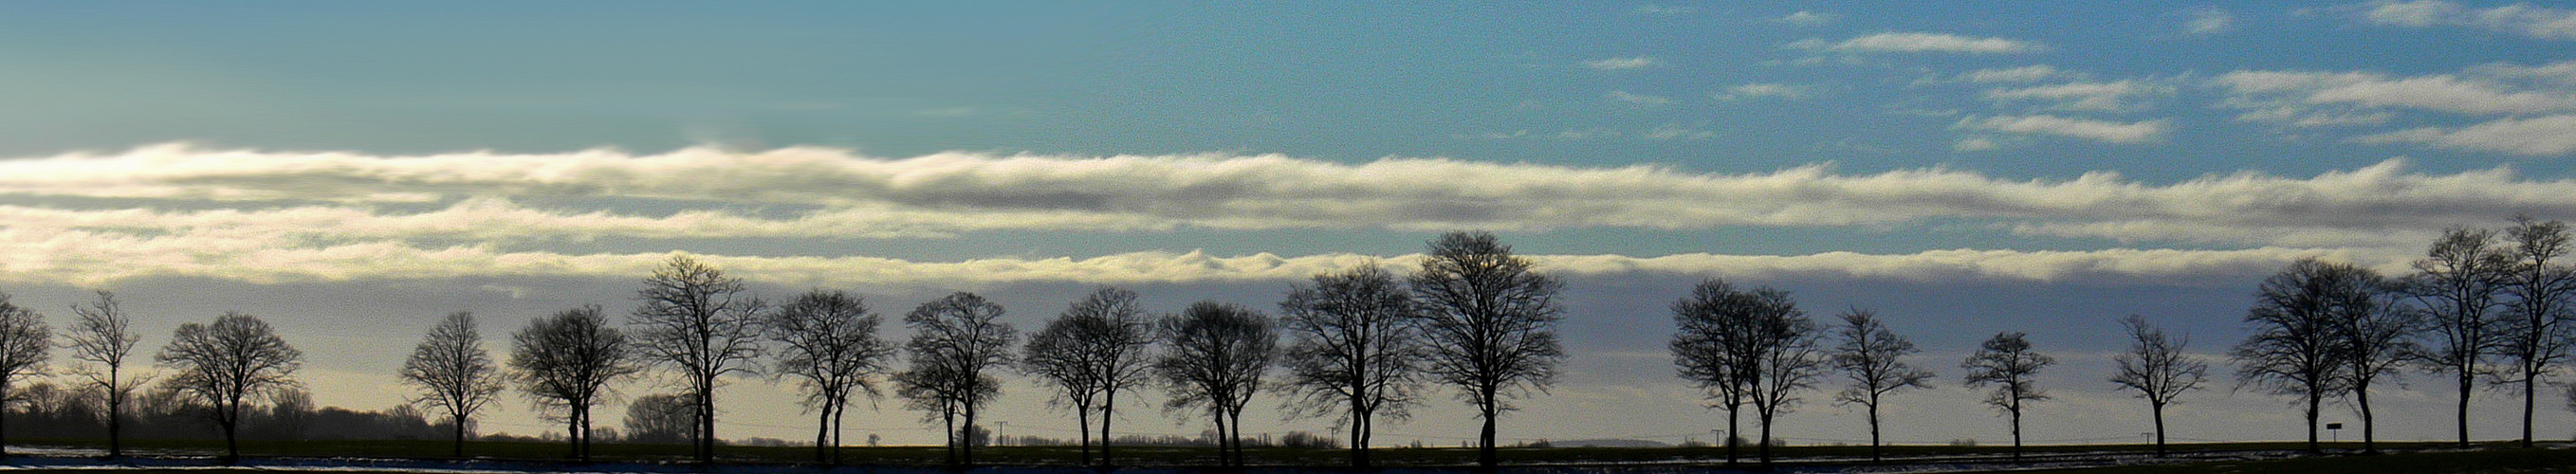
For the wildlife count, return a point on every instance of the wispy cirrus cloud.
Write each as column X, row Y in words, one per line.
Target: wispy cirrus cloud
column 2539, row 22
column 1758, row 90
column 2083, row 96
column 2069, row 127
column 2523, row 107
column 1624, row 64
column 1919, row 42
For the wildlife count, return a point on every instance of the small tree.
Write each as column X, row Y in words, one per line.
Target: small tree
column 1789, row 362
column 223, row 364
column 2456, row 285
column 454, row 372
column 828, row 342
column 102, row 339
column 1355, row 352
column 958, row 342
column 1055, row 356
column 1491, row 323
column 662, row 418
column 565, row 363
column 1720, row 344
column 1873, row 358
column 2006, row 362
column 701, row 324
column 2540, row 284
column 1218, row 354
column 2157, row 368
column 1118, row 338
column 2293, row 349
column 2373, row 339
column 25, row 344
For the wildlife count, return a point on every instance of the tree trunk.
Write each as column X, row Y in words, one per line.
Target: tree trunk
column 1360, row 440
column 2159, row 410
column 115, row 419
column 949, row 418
column 967, row 452
column 1733, row 431
column 2016, row 429
column 707, row 420
column 2369, row 436
column 840, row 412
column 1765, row 442
column 459, row 421
column 1082, row 416
column 2465, row 381
column 2312, row 423
column 1874, row 455
column 823, row 434
column 2529, row 378
column 1108, row 413
column 1486, row 457
column 232, row 429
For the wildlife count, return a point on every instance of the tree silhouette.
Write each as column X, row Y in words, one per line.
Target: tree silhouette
column 2540, row 284
column 2456, row 285
column 698, row 322
column 1214, row 361
column 454, row 372
column 224, row 363
column 662, row 418
column 1054, row 355
column 2373, row 339
column 828, row 342
column 1491, row 324
column 1873, row 358
column 565, row 362
column 1354, row 352
column 958, row 342
column 1722, row 344
column 102, row 339
column 2006, row 362
column 1117, row 338
column 2293, row 349
column 25, row 344
column 2157, row 368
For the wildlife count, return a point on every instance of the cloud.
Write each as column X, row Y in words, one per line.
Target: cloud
column 1623, row 64
column 1975, row 144
column 2209, row 21
column 2097, row 130
column 1663, row 10
column 2536, row 136
column 2521, row 18
column 1804, row 18
column 1761, row 91
column 2489, row 90
column 1641, row 100
column 2031, row 73
column 181, row 205
column 1912, row 42
column 2084, row 96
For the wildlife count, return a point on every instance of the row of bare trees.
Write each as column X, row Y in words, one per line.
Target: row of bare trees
column 223, row 366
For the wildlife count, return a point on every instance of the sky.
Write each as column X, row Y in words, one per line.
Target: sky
column 352, row 171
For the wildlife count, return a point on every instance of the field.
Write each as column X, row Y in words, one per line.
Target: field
column 408, row 456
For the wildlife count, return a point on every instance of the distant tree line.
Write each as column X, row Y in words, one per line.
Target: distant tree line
column 1361, row 345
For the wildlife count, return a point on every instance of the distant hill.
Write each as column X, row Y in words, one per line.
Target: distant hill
column 1608, row 443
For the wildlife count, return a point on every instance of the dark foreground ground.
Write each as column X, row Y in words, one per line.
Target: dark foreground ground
column 511, row 457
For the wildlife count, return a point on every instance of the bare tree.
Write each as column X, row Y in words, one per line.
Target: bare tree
column 2540, row 284
column 1217, row 355
column 1117, row 338
column 1355, row 352
column 455, row 372
column 2006, row 362
column 222, row 364
column 2157, row 368
column 1787, row 363
column 828, row 342
column 25, row 344
column 700, row 323
column 2456, row 285
column 662, row 418
column 1491, row 323
column 565, row 364
column 101, row 340
column 2375, row 339
column 2293, row 349
column 1055, row 355
column 1717, row 345
column 958, row 342
column 1873, row 358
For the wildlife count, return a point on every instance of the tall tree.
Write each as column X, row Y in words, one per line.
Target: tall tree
column 2007, row 362
column 1055, row 356
column 1118, row 338
column 959, row 341
column 1873, row 358
column 2456, row 285
column 2373, row 340
column 1354, row 350
column 25, row 344
column 454, row 372
column 703, row 325
column 828, row 342
column 1217, row 355
column 225, row 363
column 101, row 340
column 1718, row 345
column 2539, row 284
column 2157, row 368
column 565, row 363
column 1491, row 323
column 2293, row 348
column 1788, row 362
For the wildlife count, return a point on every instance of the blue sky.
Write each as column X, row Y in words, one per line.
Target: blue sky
column 1964, row 168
